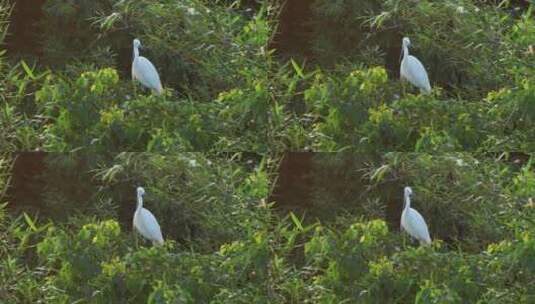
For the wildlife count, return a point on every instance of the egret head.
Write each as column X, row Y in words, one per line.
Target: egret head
column 408, row 191
column 140, row 191
column 406, row 42
column 137, row 43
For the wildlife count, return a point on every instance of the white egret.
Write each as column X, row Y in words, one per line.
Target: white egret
column 413, row 222
column 413, row 70
column 144, row 71
column 145, row 222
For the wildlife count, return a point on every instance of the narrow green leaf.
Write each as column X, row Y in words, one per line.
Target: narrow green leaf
column 380, row 173
column 296, row 221
column 27, row 69
column 298, row 69
column 30, row 222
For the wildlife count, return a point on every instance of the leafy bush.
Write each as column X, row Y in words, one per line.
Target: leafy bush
column 18, row 120
column 340, row 104
column 226, row 92
column 456, row 51
column 344, row 258
column 361, row 111
column 76, row 108
column 96, row 113
column 464, row 198
column 273, row 259
column 511, row 117
column 78, row 260
column 459, row 193
column 197, row 46
column 194, row 197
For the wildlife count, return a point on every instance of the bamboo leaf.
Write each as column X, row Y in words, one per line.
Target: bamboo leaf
column 30, row 222
column 27, row 69
column 379, row 174
column 298, row 69
column 296, row 221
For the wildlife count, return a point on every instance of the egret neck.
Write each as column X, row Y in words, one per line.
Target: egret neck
column 139, row 201
column 407, row 201
column 136, row 51
column 405, row 50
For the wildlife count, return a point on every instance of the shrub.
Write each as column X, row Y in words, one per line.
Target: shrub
column 510, row 114
column 197, row 46
column 456, row 53
column 193, row 197
column 340, row 105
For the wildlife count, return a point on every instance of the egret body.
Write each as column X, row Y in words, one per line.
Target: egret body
column 144, row 71
column 145, row 222
column 413, row 70
column 413, row 222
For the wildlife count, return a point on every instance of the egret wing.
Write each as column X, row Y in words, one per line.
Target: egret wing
column 417, row 74
column 140, row 225
column 144, row 71
column 417, row 227
column 151, row 226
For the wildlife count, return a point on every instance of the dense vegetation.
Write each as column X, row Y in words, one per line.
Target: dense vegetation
column 226, row 90
column 225, row 244
column 210, row 152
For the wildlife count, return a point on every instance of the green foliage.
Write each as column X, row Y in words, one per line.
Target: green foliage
column 361, row 111
column 203, row 47
column 198, row 47
column 340, row 103
column 344, row 258
column 424, row 124
column 5, row 11
column 460, row 49
column 5, row 166
column 18, row 124
column 96, row 113
column 211, row 53
column 511, row 113
column 78, row 43
column 457, row 38
column 242, row 251
column 469, row 201
column 452, row 189
column 78, row 259
column 194, row 197
column 21, row 123
column 76, row 108
column 338, row 29
column 225, row 91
